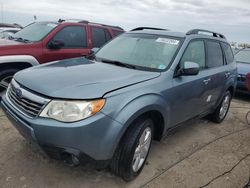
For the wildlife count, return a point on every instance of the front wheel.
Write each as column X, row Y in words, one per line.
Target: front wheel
column 221, row 111
column 6, row 77
column 132, row 153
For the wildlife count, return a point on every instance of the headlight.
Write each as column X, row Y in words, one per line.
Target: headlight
column 71, row 111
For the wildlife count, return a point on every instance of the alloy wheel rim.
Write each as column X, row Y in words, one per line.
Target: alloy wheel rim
column 224, row 107
column 4, row 83
column 142, row 149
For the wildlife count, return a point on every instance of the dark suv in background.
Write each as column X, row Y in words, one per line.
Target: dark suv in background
column 136, row 88
column 43, row 42
column 242, row 58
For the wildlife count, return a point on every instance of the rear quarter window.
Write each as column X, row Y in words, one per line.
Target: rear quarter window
column 228, row 53
column 100, row 37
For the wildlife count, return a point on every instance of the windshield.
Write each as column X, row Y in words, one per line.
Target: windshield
column 243, row 56
column 142, row 50
column 35, row 32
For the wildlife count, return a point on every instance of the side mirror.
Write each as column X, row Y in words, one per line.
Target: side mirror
column 190, row 68
column 56, row 44
column 94, row 50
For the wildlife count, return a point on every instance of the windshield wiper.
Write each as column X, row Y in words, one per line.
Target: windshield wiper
column 19, row 39
column 10, row 38
column 118, row 63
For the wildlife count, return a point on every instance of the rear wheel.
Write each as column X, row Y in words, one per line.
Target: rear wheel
column 221, row 111
column 132, row 153
column 5, row 78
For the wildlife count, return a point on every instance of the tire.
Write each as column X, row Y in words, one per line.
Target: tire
column 218, row 116
column 124, row 161
column 5, row 78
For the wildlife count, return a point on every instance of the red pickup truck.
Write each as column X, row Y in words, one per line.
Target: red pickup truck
column 42, row 42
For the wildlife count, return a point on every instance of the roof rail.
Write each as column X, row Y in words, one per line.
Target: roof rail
column 72, row 20
column 87, row 22
column 83, row 21
column 60, row 20
column 197, row 31
column 115, row 27
column 151, row 28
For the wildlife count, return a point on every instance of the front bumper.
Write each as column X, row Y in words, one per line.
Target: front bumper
column 95, row 137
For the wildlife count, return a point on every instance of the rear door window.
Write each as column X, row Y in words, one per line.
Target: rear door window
column 214, row 54
column 100, row 36
column 72, row 37
column 228, row 53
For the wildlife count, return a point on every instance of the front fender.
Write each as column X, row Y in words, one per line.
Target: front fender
column 126, row 112
column 19, row 58
column 140, row 105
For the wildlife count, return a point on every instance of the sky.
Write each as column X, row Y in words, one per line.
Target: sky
column 229, row 17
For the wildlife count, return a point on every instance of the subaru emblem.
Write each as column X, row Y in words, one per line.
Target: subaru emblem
column 19, row 93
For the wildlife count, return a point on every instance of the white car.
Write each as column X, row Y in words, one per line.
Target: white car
column 7, row 32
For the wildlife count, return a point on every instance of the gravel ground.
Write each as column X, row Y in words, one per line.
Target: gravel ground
column 186, row 151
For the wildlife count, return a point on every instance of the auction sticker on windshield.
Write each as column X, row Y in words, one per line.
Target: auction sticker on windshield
column 168, row 41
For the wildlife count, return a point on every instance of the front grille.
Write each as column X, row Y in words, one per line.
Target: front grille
column 24, row 104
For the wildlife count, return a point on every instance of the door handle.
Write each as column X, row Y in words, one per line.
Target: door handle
column 206, row 81
column 227, row 74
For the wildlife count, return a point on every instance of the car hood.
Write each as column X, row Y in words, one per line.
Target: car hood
column 243, row 68
column 6, row 42
column 80, row 78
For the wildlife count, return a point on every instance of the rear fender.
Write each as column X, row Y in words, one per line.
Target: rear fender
column 231, row 83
